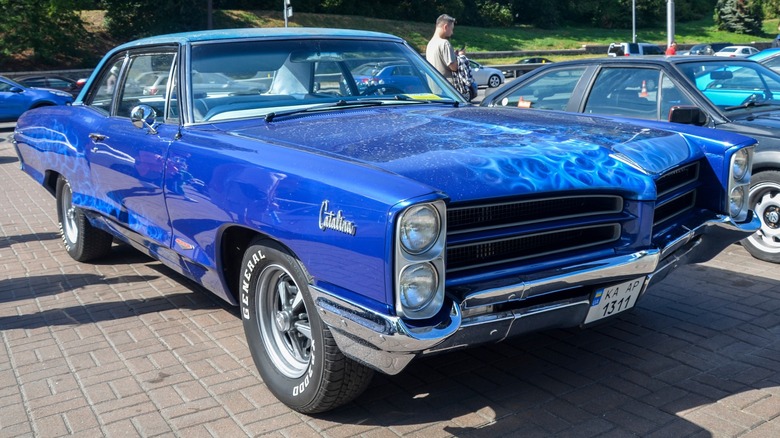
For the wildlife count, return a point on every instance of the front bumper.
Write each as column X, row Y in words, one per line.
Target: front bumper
column 388, row 343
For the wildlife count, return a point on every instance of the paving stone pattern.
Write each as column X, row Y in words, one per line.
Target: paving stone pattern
column 125, row 347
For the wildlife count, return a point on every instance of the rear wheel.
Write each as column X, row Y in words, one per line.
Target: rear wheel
column 764, row 244
column 82, row 241
column 293, row 349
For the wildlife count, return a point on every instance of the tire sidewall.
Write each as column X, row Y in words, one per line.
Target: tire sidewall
column 64, row 189
column 771, row 178
column 294, row 392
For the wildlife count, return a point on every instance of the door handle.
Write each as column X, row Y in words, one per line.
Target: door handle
column 97, row 137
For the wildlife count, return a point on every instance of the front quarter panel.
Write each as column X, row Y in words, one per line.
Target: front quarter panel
column 334, row 215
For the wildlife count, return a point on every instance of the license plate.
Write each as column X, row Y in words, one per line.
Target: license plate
column 612, row 300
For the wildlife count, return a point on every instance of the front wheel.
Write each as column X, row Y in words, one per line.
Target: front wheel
column 293, row 349
column 82, row 241
column 764, row 244
column 494, row 81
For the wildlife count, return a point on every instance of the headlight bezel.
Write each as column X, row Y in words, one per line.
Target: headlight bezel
column 429, row 253
column 739, row 173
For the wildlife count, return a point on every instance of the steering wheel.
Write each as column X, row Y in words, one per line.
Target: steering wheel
column 381, row 89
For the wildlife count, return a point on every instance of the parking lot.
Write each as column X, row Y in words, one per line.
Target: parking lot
column 126, row 347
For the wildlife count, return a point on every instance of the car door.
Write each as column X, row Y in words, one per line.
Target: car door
column 12, row 101
column 128, row 163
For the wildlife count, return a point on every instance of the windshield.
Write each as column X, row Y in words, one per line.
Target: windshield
column 734, row 85
column 251, row 79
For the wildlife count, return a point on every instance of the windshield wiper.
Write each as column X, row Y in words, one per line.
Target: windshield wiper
column 752, row 102
column 341, row 103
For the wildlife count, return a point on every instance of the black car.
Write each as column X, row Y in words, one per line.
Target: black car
column 534, row 60
column 55, row 82
column 731, row 94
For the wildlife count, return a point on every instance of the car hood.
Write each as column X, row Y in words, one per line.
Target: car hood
column 475, row 152
column 757, row 122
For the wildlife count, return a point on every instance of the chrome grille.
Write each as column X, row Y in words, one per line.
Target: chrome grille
column 481, row 254
column 498, row 233
column 676, row 192
column 677, row 178
column 674, row 207
column 502, row 215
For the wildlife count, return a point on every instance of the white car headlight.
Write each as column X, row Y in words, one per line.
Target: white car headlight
column 740, row 164
column 736, row 201
column 418, row 286
column 419, row 228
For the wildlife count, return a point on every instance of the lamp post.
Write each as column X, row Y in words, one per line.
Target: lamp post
column 669, row 22
column 633, row 21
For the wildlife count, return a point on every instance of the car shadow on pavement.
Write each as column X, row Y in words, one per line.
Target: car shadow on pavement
column 700, row 346
column 7, row 241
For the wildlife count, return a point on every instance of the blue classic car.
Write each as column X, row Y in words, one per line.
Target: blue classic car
column 360, row 227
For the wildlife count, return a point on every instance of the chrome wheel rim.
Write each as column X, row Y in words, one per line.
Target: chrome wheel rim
column 283, row 321
column 765, row 198
column 69, row 228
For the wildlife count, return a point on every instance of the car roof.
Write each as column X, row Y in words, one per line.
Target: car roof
column 647, row 59
column 766, row 53
column 256, row 33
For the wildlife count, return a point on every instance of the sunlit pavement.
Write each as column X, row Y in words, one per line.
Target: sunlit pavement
column 125, row 347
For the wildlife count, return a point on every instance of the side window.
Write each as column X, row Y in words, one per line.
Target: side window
column 146, row 82
column 774, row 63
column 671, row 95
column 102, row 96
column 626, row 92
column 37, row 82
column 550, row 91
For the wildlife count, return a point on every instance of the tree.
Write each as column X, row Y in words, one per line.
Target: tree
column 49, row 30
column 139, row 18
column 739, row 16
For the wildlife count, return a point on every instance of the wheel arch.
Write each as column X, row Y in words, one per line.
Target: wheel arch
column 50, row 178
column 234, row 242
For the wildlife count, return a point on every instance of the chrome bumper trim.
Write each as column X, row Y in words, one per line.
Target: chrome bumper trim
column 387, row 343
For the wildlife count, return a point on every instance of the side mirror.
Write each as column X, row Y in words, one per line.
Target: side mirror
column 689, row 115
column 143, row 116
column 15, row 90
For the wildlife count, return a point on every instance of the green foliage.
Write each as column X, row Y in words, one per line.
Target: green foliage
column 739, row 16
column 139, row 18
column 50, row 30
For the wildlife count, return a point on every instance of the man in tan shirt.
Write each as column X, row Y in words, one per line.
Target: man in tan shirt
column 439, row 51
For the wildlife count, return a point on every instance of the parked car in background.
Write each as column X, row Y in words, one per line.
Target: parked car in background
column 768, row 57
column 707, row 48
column 730, row 94
column 633, row 49
column 397, row 74
column 534, row 60
column 486, row 76
column 56, row 82
column 358, row 228
column 736, row 51
column 16, row 98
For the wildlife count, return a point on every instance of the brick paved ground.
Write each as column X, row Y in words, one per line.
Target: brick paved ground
column 125, row 347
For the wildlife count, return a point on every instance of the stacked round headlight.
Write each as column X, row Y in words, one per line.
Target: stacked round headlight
column 419, row 284
column 740, row 164
column 419, row 265
column 420, row 227
column 736, row 201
